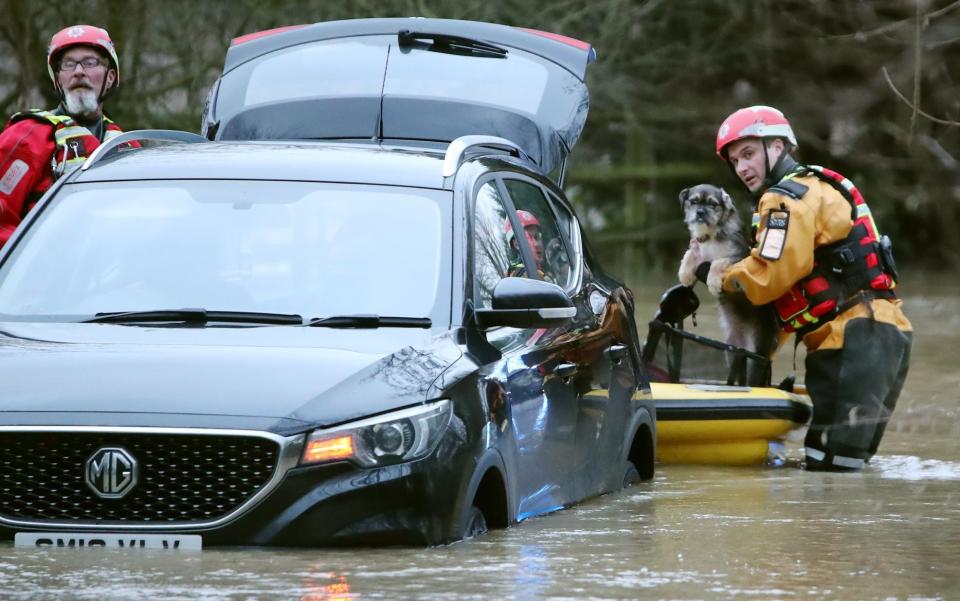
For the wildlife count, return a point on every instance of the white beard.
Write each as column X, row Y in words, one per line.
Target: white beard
column 81, row 102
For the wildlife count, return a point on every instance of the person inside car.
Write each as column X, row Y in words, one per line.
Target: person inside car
column 38, row 146
column 531, row 227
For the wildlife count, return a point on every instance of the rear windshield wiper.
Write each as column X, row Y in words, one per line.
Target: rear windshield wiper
column 370, row 321
column 196, row 317
column 449, row 44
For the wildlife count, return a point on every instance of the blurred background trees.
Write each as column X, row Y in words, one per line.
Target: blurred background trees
column 871, row 86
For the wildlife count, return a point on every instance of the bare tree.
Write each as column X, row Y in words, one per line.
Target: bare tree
column 873, row 89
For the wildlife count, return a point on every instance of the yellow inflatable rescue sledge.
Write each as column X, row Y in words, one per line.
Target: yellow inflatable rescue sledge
column 715, row 404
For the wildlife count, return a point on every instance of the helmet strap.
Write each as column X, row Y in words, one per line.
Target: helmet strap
column 766, row 166
column 104, row 90
column 779, row 169
column 59, row 89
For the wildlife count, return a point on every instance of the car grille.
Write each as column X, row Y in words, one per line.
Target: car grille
column 182, row 477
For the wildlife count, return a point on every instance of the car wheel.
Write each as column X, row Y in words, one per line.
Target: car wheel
column 631, row 475
column 476, row 523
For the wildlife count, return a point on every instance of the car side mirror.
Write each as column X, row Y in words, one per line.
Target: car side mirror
column 526, row 303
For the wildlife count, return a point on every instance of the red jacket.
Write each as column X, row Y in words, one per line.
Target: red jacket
column 27, row 158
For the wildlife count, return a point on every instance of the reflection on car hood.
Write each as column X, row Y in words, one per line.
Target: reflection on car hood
column 313, row 376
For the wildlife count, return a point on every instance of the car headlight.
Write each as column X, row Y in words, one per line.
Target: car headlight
column 386, row 439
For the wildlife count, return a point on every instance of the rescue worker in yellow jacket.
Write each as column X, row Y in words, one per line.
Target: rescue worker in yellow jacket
column 818, row 256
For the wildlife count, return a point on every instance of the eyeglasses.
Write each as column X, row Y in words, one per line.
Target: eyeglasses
column 88, row 63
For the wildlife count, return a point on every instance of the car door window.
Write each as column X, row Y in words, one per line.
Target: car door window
column 491, row 250
column 570, row 229
column 549, row 247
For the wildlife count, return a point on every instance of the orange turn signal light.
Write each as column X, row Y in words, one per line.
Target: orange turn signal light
column 328, row 449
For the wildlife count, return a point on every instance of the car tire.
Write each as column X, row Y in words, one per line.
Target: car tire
column 631, row 475
column 475, row 523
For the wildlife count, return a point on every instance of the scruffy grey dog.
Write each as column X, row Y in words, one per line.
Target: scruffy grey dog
column 717, row 236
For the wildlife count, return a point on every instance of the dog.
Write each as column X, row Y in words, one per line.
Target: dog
column 716, row 235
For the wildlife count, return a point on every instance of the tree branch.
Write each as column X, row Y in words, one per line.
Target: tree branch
column 915, row 108
column 865, row 35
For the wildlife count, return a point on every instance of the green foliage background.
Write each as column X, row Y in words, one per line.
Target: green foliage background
column 872, row 88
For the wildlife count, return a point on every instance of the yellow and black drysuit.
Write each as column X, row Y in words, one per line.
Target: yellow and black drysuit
column 819, row 258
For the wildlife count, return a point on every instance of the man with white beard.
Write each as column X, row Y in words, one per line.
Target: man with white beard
column 39, row 146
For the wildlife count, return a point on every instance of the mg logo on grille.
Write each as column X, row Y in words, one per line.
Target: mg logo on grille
column 111, row 472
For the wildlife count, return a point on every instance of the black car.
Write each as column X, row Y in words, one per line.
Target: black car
column 320, row 328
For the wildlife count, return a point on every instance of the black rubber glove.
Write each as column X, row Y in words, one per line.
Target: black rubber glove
column 703, row 269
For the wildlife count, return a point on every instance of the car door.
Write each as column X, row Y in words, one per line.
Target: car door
column 540, row 407
column 609, row 367
column 600, row 368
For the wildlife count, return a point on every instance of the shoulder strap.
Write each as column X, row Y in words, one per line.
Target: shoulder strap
column 42, row 115
column 790, row 188
column 838, row 182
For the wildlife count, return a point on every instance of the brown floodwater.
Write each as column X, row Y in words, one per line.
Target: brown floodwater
column 889, row 532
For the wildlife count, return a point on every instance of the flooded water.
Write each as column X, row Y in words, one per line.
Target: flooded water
column 890, row 532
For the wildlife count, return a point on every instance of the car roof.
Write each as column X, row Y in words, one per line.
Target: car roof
column 294, row 161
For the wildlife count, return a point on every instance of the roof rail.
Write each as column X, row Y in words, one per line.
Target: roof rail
column 459, row 147
column 165, row 135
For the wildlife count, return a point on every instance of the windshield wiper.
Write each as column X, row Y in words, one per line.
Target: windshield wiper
column 449, row 44
column 370, row 321
column 196, row 317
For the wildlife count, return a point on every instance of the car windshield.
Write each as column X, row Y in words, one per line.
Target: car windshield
column 302, row 248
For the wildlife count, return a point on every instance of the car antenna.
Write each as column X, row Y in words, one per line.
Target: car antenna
column 378, row 132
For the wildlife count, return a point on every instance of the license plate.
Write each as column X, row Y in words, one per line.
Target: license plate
column 73, row 540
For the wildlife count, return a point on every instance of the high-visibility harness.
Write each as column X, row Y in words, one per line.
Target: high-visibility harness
column 74, row 143
column 849, row 271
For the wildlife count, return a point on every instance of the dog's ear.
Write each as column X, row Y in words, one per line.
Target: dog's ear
column 684, row 195
column 727, row 201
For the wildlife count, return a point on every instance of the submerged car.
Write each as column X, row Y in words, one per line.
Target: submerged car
column 322, row 328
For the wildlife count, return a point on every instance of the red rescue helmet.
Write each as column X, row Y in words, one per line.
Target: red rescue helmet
column 526, row 219
column 81, row 35
column 754, row 122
